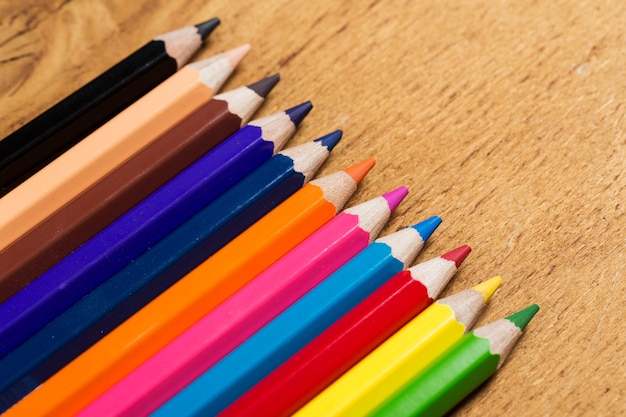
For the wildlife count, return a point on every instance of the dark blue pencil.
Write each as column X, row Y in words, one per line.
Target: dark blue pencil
column 138, row 283
column 143, row 225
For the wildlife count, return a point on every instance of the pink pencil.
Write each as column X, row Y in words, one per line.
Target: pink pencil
column 253, row 306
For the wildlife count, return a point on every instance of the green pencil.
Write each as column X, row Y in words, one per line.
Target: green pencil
column 464, row 367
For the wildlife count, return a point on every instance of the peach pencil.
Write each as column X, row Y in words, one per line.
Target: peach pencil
column 113, row 143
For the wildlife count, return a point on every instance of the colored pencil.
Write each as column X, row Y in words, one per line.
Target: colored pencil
column 113, row 143
column 134, row 232
column 410, row 349
column 347, row 341
column 57, row 129
column 237, row 318
column 461, row 370
column 79, row 220
column 93, row 317
column 297, row 325
column 185, row 302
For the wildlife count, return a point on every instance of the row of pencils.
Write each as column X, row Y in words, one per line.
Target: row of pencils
column 162, row 254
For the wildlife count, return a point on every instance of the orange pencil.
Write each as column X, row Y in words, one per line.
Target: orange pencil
column 113, row 143
column 185, row 302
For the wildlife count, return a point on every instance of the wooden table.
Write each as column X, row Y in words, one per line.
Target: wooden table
column 506, row 118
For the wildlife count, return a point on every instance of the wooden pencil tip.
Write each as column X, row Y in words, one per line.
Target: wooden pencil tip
column 358, row 171
column 396, row 196
column 264, row 86
column 206, row 28
column 487, row 288
column 235, row 55
column 299, row 112
column 523, row 317
column 458, row 255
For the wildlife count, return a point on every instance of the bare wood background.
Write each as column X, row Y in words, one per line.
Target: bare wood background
column 506, row 118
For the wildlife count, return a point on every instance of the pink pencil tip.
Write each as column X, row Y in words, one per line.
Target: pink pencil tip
column 458, row 255
column 394, row 197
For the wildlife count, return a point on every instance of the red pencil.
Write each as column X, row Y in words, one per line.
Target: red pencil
column 343, row 344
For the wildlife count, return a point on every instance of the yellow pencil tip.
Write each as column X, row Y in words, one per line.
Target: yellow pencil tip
column 487, row 288
column 235, row 55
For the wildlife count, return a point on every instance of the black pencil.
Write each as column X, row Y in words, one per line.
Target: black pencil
column 35, row 144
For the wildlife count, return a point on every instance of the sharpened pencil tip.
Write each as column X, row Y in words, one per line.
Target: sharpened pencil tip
column 394, row 197
column 205, row 28
column 358, row 171
column 264, row 86
column 427, row 227
column 235, row 55
column 458, row 255
column 487, row 288
column 330, row 140
column 299, row 112
column 523, row 317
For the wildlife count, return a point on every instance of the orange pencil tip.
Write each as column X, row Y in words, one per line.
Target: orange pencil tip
column 359, row 170
column 235, row 55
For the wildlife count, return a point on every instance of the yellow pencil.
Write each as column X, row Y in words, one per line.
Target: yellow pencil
column 409, row 350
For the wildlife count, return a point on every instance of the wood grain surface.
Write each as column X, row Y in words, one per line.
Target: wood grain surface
column 506, row 118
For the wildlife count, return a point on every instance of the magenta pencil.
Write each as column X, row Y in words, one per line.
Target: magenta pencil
column 254, row 305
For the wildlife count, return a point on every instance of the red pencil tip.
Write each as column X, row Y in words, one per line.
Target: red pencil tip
column 458, row 255
column 358, row 171
column 394, row 197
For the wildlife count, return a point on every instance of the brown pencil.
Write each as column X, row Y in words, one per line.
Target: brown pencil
column 75, row 223
column 109, row 146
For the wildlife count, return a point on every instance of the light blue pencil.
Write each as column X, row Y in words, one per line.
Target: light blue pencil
column 296, row 326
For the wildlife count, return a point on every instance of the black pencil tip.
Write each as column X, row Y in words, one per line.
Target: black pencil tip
column 299, row 112
column 263, row 87
column 205, row 28
column 331, row 139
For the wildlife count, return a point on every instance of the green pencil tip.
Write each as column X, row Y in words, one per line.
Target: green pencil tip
column 523, row 317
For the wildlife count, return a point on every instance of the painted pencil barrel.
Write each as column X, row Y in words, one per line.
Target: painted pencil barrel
column 409, row 350
column 61, row 126
column 436, row 390
column 279, row 339
column 133, row 287
column 126, row 186
column 436, row 319
column 134, row 232
column 460, row 370
column 103, row 203
column 241, row 315
column 110, row 145
column 185, row 302
column 349, row 339
column 296, row 326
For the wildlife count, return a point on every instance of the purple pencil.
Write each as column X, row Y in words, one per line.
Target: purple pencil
column 145, row 224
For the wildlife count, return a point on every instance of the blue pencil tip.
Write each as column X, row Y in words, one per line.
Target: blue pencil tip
column 299, row 112
column 331, row 139
column 427, row 227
